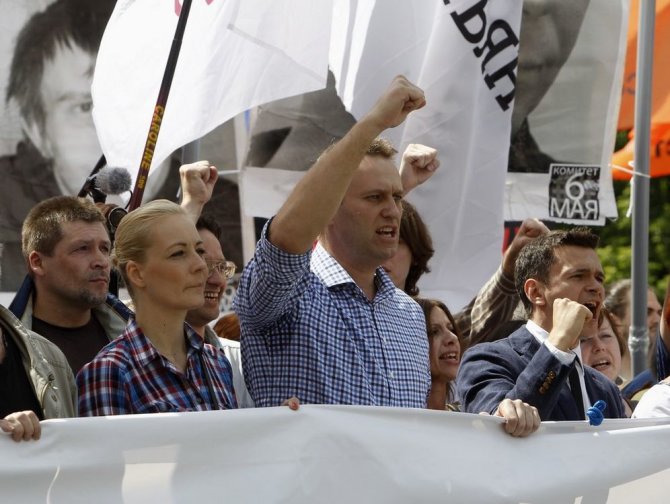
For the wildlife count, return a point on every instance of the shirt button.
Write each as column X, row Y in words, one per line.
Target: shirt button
column 391, row 374
column 200, row 400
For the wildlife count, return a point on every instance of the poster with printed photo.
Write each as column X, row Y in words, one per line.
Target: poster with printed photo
column 48, row 140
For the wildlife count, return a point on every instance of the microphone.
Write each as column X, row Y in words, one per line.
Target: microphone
column 103, row 181
column 106, row 181
column 111, row 180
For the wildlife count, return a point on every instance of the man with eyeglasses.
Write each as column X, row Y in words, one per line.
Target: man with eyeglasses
column 219, row 272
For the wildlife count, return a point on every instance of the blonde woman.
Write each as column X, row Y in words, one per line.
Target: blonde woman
column 158, row 364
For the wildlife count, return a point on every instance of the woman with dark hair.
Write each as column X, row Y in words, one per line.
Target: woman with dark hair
column 444, row 343
column 415, row 248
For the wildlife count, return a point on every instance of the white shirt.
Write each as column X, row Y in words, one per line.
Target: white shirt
column 566, row 358
column 655, row 403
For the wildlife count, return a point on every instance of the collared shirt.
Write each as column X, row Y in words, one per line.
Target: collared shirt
column 130, row 376
column 566, row 358
column 232, row 351
column 309, row 331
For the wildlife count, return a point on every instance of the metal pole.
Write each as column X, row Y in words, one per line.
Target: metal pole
column 639, row 339
column 190, row 153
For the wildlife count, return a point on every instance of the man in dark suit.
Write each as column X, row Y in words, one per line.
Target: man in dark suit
column 560, row 281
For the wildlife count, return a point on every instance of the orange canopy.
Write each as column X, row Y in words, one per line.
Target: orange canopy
column 660, row 129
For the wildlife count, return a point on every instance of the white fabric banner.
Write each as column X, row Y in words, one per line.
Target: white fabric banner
column 235, row 55
column 463, row 54
column 335, row 454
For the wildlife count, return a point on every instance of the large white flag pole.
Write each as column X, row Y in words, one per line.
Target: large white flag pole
column 639, row 338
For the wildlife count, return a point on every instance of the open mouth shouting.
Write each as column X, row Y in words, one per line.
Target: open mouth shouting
column 388, row 232
column 601, row 365
column 593, row 307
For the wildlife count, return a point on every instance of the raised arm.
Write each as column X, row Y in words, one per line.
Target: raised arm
column 197, row 184
column 315, row 199
column 492, row 372
column 417, row 165
column 496, row 301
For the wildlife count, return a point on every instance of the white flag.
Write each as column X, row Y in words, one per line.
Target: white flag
column 235, row 55
column 463, row 54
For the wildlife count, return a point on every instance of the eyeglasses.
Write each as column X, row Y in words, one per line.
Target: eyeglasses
column 225, row 268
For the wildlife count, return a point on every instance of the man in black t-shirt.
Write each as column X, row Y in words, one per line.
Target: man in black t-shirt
column 36, row 382
column 66, row 249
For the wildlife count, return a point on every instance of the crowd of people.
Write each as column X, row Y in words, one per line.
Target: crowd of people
column 328, row 309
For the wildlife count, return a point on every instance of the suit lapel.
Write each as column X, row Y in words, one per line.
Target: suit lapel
column 525, row 344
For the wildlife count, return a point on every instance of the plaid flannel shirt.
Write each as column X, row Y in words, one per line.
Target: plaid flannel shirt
column 130, row 376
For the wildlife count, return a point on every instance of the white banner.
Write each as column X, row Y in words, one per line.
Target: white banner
column 235, row 55
column 335, row 454
column 463, row 54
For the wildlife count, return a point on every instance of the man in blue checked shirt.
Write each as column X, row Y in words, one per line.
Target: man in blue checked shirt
column 327, row 325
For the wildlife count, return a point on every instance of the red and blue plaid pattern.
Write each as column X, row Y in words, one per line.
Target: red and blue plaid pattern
column 130, row 376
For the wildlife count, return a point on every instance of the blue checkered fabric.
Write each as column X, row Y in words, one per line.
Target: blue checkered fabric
column 309, row 331
column 130, row 376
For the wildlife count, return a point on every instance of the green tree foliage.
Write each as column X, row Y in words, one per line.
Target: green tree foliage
column 615, row 237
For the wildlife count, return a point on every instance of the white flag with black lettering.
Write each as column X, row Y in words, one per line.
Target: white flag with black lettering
column 463, row 53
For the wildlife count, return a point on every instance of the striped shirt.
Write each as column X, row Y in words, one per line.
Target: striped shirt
column 130, row 376
column 309, row 331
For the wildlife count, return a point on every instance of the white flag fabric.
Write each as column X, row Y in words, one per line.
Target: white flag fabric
column 335, row 454
column 463, row 54
column 235, row 54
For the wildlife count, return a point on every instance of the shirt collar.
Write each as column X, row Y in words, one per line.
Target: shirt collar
column 331, row 273
column 541, row 336
column 144, row 351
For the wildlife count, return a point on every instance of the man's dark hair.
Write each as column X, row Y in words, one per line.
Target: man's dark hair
column 415, row 234
column 64, row 23
column 537, row 257
column 209, row 223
